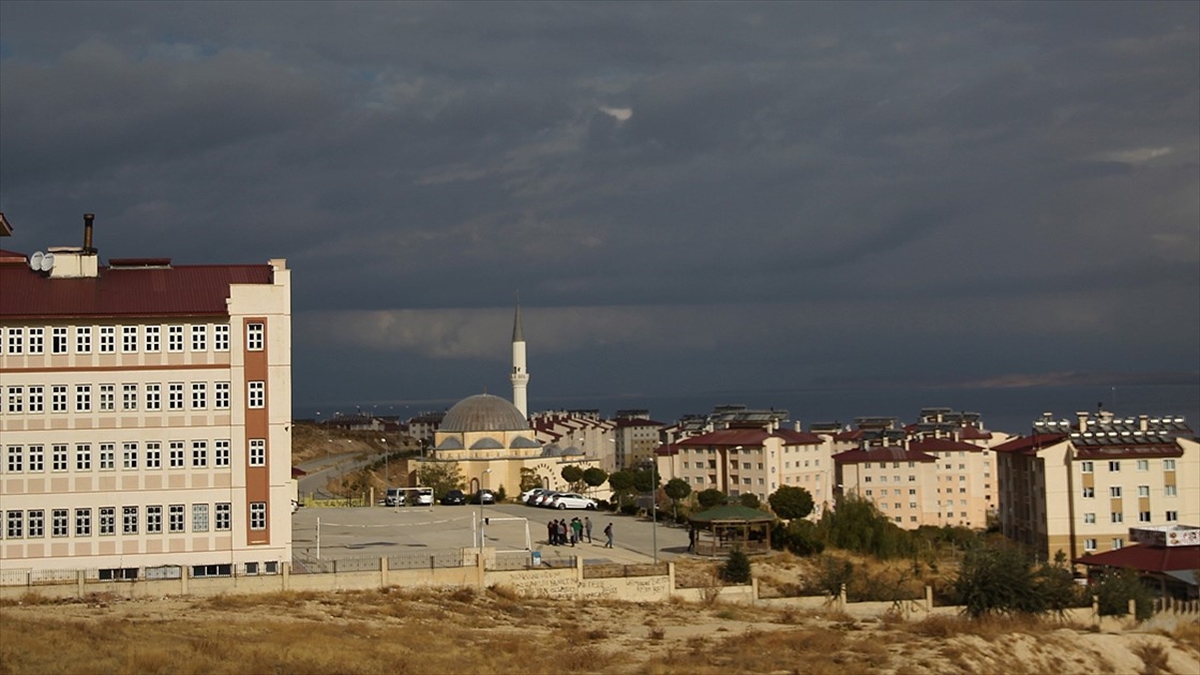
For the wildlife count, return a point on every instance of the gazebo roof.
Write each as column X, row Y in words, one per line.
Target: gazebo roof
column 734, row 512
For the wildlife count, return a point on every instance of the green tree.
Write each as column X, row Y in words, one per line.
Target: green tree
column 677, row 489
column 736, row 569
column 833, row 573
column 530, row 479
column 710, row 498
column 749, row 500
column 645, row 480
column 798, row 536
column 997, row 580
column 856, row 525
column 573, row 474
column 594, row 476
column 1115, row 589
column 441, row 476
column 621, row 483
column 791, row 503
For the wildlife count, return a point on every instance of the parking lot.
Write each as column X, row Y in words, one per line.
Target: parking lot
column 379, row 531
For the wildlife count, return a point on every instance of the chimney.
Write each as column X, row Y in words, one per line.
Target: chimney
column 798, row 425
column 1083, row 420
column 87, row 232
column 1144, row 422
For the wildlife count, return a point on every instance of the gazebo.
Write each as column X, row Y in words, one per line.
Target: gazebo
column 721, row 529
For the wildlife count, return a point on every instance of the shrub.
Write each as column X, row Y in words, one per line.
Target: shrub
column 1115, row 590
column 629, row 509
column 736, row 569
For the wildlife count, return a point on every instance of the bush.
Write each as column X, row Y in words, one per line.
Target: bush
column 1115, row 590
column 799, row 537
column 1002, row 580
column 629, row 509
column 736, row 569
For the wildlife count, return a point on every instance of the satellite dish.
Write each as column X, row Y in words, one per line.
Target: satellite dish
column 47, row 262
column 35, row 261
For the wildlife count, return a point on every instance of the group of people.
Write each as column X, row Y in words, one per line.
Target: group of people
column 559, row 532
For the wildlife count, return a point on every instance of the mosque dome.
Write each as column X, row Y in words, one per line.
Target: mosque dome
column 483, row 412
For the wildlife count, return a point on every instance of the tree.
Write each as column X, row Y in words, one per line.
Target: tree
column 645, row 480
column 594, row 476
column 749, row 500
column 856, row 525
column 573, row 474
column 530, row 479
column 791, row 503
column 621, row 483
column 677, row 489
column 1117, row 587
column 710, row 498
column 997, row 580
column 736, row 569
column 441, row 476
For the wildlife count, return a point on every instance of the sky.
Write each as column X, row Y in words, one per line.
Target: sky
column 688, row 197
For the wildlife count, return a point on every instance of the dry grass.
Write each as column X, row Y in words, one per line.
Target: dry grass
column 1154, row 658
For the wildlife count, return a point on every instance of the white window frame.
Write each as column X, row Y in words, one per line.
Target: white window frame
column 16, row 341
column 221, row 452
column 174, row 396
column 58, row 398
column 258, row 516
column 258, row 452
column 220, row 396
column 256, row 394
column 129, row 396
column 107, row 398
column 199, row 337
column 175, row 338
column 129, row 339
column 255, row 336
column 153, row 396
column 58, row 340
column 83, row 339
column 199, row 395
column 83, row 456
column 108, row 339
column 153, row 336
column 199, row 454
column 221, row 337
column 223, row 517
column 37, row 340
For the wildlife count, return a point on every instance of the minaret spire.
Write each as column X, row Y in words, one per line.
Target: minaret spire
column 519, row 377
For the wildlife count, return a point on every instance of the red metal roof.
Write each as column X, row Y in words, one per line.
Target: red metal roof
column 748, row 437
column 1147, row 558
column 942, row 445
column 1029, row 445
column 187, row 290
column 892, row 453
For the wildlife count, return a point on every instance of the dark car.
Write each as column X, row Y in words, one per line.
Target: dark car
column 484, row 496
column 454, row 498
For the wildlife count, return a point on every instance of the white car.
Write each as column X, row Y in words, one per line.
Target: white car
column 423, row 498
column 571, row 500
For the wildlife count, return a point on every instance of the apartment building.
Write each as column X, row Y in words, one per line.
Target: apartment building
column 1077, row 486
column 583, row 430
column 145, row 415
column 636, row 437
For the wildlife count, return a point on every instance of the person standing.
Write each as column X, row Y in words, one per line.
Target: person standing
column 587, row 528
column 562, row 531
column 551, row 530
column 608, row 533
column 576, row 530
column 691, row 540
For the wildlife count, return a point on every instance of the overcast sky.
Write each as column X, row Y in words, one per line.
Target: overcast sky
column 688, row 197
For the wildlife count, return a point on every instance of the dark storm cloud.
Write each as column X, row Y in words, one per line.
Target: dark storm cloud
column 746, row 192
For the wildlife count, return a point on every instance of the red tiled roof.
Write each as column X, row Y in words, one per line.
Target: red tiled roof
column 893, row 453
column 749, row 437
column 1030, row 444
column 1147, row 558
column 974, row 434
column 942, row 445
column 625, row 422
column 187, row 290
column 1126, row 452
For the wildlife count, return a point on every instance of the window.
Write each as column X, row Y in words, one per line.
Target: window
column 175, row 396
column 199, row 517
column 221, row 338
column 1089, row 518
column 83, row 339
column 58, row 341
column 58, row 457
column 58, row 398
column 108, row 397
column 16, row 458
column 15, row 521
column 1172, row 516
column 108, row 339
column 35, row 524
column 129, row 520
column 129, row 339
column 1143, row 490
column 175, row 518
column 37, row 459
column 1143, row 516
column 107, row 457
column 83, row 398
column 1118, row 517
column 174, row 338
column 224, row 517
column 912, row 491
column 1114, row 491
column 254, row 337
column 1089, row 492
column 1086, row 467
column 251, row 568
column 83, row 457
column 108, row 520
column 1168, row 465
column 1143, row 465
column 221, row 395
column 154, row 397
column 199, row 454
column 1168, row 490
column 1114, row 465
column 199, row 571
column 129, row 456
column 746, row 466
column 129, row 397
column 221, row 453
column 83, row 522
column 258, row 515
column 153, row 339
column 36, row 399
column 1089, row 544
column 199, row 395
column 176, row 454
column 257, row 397
column 16, row 340
column 37, row 340
column 153, row 520
column 153, row 455
column 16, row 400
column 199, row 337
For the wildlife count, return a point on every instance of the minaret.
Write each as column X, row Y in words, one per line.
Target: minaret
column 520, row 378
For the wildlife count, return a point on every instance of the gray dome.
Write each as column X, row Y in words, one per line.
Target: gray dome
column 483, row 412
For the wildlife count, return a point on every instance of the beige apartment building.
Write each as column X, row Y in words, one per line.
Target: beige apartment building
column 145, row 413
column 1078, row 486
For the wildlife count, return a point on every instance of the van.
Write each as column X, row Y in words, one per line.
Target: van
column 394, row 497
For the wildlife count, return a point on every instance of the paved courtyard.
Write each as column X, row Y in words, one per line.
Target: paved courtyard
column 380, row 531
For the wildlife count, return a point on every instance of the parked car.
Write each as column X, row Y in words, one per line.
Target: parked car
column 395, row 497
column 484, row 496
column 544, row 498
column 454, row 498
column 529, row 497
column 423, row 498
column 571, row 500
column 295, row 506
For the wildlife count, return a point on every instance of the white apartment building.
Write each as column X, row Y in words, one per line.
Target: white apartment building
column 144, row 415
column 1078, row 486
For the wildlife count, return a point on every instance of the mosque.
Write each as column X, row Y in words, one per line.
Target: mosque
column 491, row 441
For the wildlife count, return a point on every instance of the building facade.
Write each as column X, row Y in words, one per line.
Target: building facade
column 1078, row 486
column 145, row 415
